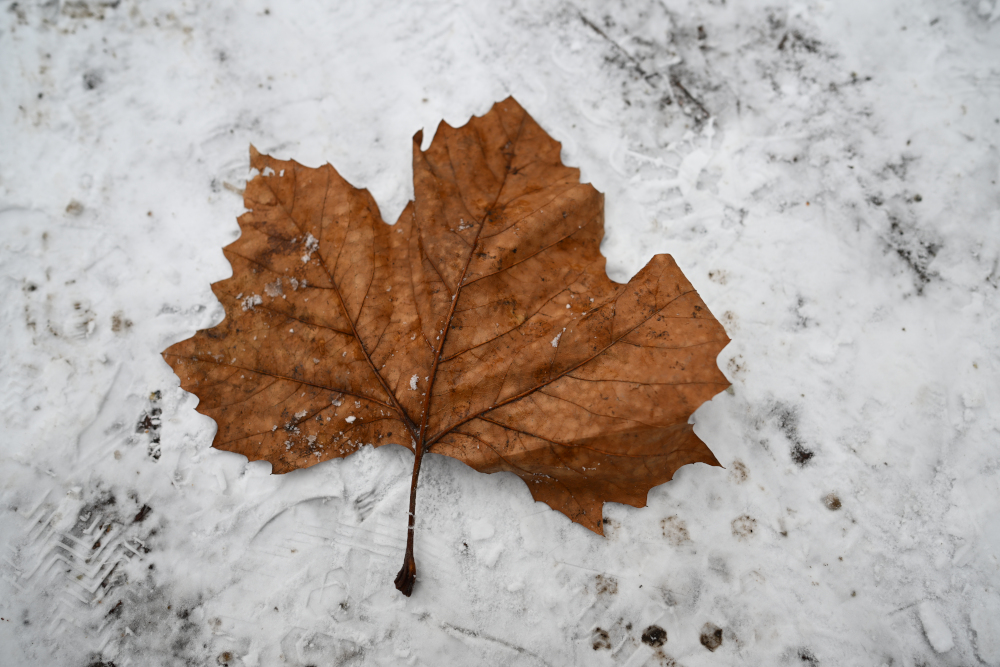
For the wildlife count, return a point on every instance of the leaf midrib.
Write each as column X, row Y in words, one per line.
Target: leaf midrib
column 422, row 441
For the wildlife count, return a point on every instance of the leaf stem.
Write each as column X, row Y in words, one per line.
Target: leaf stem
column 408, row 573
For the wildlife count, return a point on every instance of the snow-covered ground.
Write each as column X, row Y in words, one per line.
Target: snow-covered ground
column 824, row 172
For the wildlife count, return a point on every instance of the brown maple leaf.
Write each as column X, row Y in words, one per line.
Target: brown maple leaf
column 481, row 326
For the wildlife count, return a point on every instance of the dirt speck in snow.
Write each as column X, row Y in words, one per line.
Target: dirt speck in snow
column 654, row 636
column 738, row 472
column 675, row 530
column 606, row 584
column 743, row 526
column 711, row 636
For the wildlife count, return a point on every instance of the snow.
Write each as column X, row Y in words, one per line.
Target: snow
column 249, row 302
column 413, row 380
column 935, row 627
column 274, row 289
column 824, row 173
column 481, row 530
column 311, row 245
column 986, row 630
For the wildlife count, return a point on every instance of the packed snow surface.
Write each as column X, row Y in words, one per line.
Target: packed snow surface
column 825, row 174
column 935, row 627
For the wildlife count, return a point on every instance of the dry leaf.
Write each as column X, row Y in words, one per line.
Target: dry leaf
column 481, row 326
